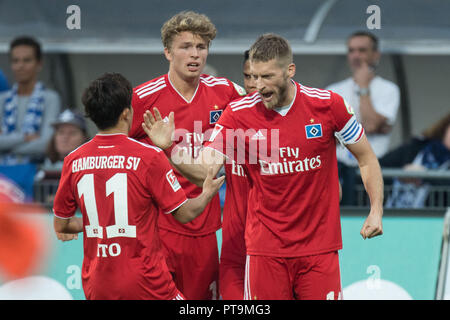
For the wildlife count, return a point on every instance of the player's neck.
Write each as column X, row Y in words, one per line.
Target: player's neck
column 120, row 128
column 290, row 94
column 184, row 86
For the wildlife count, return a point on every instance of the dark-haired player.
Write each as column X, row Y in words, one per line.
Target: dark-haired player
column 120, row 185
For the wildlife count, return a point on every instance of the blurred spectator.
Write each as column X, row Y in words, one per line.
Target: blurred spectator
column 70, row 133
column 28, row 108
column 374, row 100
column 405, row 154
column 432, row 152
column 4, row 85
column 22, row 244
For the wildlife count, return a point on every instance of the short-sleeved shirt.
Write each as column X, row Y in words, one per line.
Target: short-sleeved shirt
column 290, row 161
column 194, row 121
column 119, row 185
column 385, row 98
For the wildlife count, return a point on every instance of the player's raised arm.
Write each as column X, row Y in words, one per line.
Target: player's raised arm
column 195, row 170
column 373, row 183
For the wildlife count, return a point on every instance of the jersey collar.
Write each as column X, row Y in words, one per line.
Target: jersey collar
column 182, row 97
column 282, row 111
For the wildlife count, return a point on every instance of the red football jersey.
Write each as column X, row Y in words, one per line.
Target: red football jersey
column 119, row 184
column 194, row 121
column 234, row 213
column 233, row 253
column 290, row 160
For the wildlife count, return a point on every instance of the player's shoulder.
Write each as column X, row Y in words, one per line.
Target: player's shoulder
column 315, row 96
column 144, row 147
column 150, row 88
column 245, row 103
column 220, row 83
column 212, row 81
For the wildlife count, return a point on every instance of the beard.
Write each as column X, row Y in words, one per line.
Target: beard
column 278, row 97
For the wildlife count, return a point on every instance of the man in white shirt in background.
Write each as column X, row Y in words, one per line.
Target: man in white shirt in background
column 374, row 100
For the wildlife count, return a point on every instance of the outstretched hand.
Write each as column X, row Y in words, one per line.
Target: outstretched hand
column 158, row 130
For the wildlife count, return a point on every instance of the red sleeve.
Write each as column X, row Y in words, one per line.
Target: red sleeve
column 164, row 185
column 237, row 91
column 348, row 129
column 64, row 204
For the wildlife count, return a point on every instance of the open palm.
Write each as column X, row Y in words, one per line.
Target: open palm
column 159, row 130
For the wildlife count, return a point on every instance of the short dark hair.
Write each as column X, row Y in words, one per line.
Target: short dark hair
column 27, row 41
column 246, row 55
column 371, row 36
column 106, row 98
column 271, row 46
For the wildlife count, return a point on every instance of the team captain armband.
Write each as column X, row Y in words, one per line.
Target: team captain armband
column 351, row 132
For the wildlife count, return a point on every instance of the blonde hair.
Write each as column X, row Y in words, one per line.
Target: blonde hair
column 271, row 46
column 198, row 24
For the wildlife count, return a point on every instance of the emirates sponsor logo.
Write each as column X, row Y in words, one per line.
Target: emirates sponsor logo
column 289, row 162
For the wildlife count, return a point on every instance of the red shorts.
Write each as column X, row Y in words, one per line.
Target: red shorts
column 155, row 283
column 193, row 263
column 314, row 277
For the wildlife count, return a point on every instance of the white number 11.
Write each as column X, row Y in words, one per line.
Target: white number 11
column 117, row 185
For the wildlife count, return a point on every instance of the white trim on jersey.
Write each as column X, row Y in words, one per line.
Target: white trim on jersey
column 193, row 96
column 246, row 102
column 316, row 90
column 211, row 81
column 247, row 291
column 146, row 145
column 151, row 90
column 168, row 212
column 351, row 132
column 64, row 218
column 315, row 93
column 178, row 297
column 214, row 82
column 150, row 86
